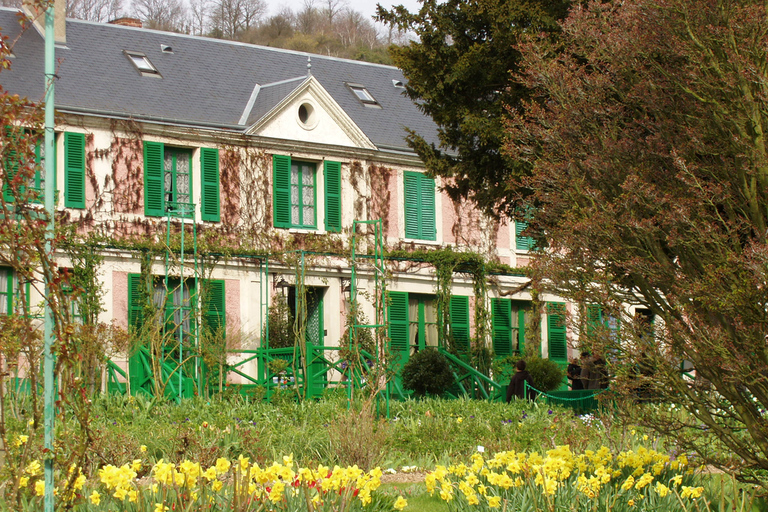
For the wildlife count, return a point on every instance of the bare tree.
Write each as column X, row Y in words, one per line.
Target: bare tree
column 331, row 9
column 94, row 10
column 307, row 19
column 354, row 29
column 199, row 15
column 161, row 14
column 276, row 28
column 232, row 17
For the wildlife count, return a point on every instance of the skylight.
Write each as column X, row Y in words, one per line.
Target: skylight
column 363, row 95
column 142, row 63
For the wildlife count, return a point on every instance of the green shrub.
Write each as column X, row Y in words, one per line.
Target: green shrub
column 547, row 374
column 428, row 372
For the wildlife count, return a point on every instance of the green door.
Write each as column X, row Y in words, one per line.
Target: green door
column 315, row 341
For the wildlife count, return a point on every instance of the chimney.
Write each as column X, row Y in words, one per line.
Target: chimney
column 127, row 22
column 37, row 15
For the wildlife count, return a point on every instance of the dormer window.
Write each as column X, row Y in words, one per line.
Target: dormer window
column 142, row 63
column 362, row 94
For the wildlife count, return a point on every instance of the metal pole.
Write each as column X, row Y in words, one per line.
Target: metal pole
column 49, row 202
column 181, row 307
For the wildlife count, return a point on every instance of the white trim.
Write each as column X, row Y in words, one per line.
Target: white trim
column 325, row 101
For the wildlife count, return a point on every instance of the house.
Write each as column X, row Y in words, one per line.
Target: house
column 255, row 172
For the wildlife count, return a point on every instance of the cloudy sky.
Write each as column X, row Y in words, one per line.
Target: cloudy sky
column 366, row 7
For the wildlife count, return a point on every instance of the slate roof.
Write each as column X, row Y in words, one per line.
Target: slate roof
column 206, row 82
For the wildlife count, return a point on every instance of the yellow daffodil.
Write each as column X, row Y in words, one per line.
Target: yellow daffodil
column 691, row 492
column 400, row 503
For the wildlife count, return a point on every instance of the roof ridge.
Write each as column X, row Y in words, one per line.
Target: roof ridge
column 287, row 80
column 223, row 41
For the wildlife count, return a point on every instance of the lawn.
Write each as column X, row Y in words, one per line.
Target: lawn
column 431, row 454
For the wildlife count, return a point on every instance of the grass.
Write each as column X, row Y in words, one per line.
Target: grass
column 419, row 500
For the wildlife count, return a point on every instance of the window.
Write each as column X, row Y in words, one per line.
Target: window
column 419, row 192
column 173, row 297
column 508, row 318
column 177, row 181
column 601, row 322
column 176, row 300
column 142, row 63
column 295, row 194
column 168, row 182
column 362, row 94
column 413, row 325
column 422, row 322
column 76, row 315
column 11, row 300
column 413, row 321
column 6, row 291
column 522, row 243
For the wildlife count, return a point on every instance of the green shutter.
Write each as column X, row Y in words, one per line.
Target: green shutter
column 501, row 320
column 214, row 309
column 332, row 196
column 521, row 330
column 522, row 243
column 209, row 174
column 411, row 200
column 460, row 322
column 556, row 334
column 74, row 170
column 10, row 164
column 281, row 197
column 398, row 327
column 427, row 205
column 153, row 179
column 134, row 301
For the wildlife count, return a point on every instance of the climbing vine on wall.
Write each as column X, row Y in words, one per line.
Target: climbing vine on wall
column 380, row 178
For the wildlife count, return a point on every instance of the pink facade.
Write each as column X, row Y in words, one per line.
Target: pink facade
column 120, row 298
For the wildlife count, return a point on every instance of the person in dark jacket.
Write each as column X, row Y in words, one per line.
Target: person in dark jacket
column 574, row 375
column 516, row 386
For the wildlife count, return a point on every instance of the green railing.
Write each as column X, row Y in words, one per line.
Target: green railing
column 472, row 383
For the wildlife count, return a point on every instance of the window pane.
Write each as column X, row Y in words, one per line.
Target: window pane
column 168, row 176
column 295, row 204
column 431, row 335
column 308, row 196
column 309, row 215
column 182, row 177
column 294, row 175
column 306, row 176
column 4, row 278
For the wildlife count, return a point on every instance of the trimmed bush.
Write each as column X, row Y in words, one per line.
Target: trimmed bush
column 428, row 372
column 547, row 374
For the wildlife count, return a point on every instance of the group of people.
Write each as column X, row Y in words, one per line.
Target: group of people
column 588, row 372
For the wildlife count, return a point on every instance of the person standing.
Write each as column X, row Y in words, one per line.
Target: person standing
column 574, row 375
column 589, row 379
column 517, row 386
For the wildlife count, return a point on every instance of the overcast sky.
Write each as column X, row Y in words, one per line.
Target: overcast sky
column 366, row 7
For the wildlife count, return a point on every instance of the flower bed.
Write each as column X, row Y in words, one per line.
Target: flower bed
column 228, row 485
column 563, row 481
